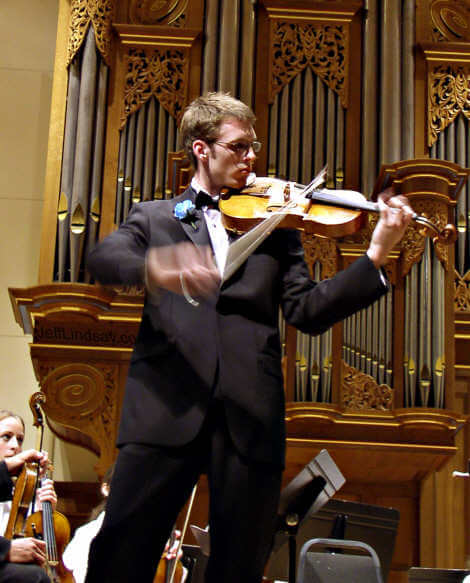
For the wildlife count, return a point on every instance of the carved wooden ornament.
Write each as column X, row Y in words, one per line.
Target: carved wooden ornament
column 323, row 47
column 159, row 73
column 99, row 14
column 448, row 96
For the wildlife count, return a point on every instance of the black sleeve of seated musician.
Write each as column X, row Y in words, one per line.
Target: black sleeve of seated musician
column 5, row 545
column 6, row 483
column 6, row 489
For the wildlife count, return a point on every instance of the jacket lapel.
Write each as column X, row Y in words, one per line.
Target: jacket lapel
column 195, row 230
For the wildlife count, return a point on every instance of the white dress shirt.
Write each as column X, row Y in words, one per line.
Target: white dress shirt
column 217, row 233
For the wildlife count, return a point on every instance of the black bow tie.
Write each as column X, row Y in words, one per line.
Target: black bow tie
column 203, row 199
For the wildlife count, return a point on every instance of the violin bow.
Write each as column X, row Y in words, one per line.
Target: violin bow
column 183, row 532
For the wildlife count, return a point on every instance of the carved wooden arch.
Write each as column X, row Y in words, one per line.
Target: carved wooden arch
column 448, row 96
column 95, row 13
column 322, row 47
column 157, row 62
column 316, row 36
column 445, row 36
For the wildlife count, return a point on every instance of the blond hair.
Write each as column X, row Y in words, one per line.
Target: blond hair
column 4, row 414
column 203, row 117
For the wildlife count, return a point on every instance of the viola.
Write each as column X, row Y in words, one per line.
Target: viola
column 47, row 524
column 285, row 205
column 266, row 204
column 25, row 488
column 54, row 528
column 327, row 213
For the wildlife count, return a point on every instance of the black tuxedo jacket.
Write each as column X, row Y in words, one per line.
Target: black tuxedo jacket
column 6, row 491
column 227, row 347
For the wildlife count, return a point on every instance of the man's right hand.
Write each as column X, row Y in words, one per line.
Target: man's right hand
column 165, row 265
column 27, row 550
column 16, row 462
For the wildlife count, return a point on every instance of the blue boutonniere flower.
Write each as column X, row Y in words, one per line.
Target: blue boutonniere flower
column 186, row 211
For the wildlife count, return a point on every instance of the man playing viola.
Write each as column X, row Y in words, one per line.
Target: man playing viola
column 205, row 389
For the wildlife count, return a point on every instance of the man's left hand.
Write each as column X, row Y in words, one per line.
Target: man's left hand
column 395, row 216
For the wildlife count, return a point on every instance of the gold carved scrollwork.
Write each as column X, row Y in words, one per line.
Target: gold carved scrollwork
column 83, row 396
column 462, row 292
column 324, row 48
column 448, row 95
column 162, row 74
column 322, row 250
column 97, row 12
column 162, row 12
column 450, row 20
column 360, row 391
column 412, row 244
column 75, row 391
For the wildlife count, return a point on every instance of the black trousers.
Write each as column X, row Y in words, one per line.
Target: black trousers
column 150, row 486
column 22, row 573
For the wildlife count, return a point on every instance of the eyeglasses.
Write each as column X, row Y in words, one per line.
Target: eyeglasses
column 241, row 148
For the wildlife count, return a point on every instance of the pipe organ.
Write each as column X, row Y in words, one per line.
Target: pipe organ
column 378, row 92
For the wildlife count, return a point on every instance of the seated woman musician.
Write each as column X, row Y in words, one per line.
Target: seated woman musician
column 20, row 558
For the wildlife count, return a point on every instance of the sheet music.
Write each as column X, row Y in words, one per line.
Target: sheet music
column 202, row 538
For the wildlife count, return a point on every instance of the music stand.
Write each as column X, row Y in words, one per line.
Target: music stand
column 195, row 561
column 303, row 497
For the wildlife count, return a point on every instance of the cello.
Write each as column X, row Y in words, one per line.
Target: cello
column 45, row 524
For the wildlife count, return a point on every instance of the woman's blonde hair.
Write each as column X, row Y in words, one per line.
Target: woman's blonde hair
column 4, row 414
column 202, row 118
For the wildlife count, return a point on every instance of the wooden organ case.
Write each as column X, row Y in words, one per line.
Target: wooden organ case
column 379, row 92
